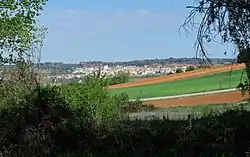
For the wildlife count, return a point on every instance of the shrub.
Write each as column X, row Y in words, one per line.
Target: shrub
column 131, row 106
column 190, row 68
column 170, row 73
column 92, row 99
column 179, row 70
column 119, row 78
column 30, row 129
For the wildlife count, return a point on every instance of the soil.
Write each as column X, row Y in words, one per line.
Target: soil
column 180, row 76
column 221, row 98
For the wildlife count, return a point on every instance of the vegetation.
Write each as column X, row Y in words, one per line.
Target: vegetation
column 119, row 78
column 227, row 20
column 216, row 81
column 84, row 119
column 59, row 67
column 190, row 68
column 63, row 130
column 179, row 70
column 198, row 111
column 170, row 60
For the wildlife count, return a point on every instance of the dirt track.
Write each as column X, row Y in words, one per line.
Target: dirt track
column 220, row 98
column 169, row 78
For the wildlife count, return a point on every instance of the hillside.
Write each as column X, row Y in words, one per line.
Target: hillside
column 211, row 82
column 180, row 76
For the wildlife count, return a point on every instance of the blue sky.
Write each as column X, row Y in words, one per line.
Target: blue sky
column 117, row 30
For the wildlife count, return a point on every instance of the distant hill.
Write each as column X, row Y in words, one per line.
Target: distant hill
column 162, row 61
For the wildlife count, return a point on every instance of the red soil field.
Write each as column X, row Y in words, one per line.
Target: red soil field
column 174, row 77
column 221, row 98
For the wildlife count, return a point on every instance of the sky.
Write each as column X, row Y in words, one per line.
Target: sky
column 118, row 30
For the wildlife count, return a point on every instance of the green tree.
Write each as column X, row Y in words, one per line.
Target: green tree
column 20, row 36
column 224, row 19
column 19, row 29
column 92, row 99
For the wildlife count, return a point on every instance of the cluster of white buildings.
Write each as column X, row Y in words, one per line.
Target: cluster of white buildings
column 111, row 71
column 132, row 70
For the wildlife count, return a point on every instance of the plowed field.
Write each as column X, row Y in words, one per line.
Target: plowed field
column 180, row 76
column 220, row 98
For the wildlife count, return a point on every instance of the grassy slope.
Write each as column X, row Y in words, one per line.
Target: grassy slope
column 217, row 81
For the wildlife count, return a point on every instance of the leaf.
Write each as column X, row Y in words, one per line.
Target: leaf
column 18, row 27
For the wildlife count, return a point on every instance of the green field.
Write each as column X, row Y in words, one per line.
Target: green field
column 216, row 81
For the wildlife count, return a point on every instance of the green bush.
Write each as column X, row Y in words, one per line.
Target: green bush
column 119, row 78
column 92, row 99
column 190, row 68
column 127, row 106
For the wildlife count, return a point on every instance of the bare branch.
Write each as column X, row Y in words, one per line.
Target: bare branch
column 225, row 19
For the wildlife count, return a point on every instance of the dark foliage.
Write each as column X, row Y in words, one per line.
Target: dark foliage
column 179, row 70
column 190, row 68
column 48, row 126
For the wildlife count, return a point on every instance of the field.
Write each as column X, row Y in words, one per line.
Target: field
column 221, row 98
column 217, row 81
column 175, row 77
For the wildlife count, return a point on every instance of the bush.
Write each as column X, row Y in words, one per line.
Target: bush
column 131, row 106
column 119, row 78
column 190, row 68
column 30, row 129
column 92, row 99
column 179, row 70
column 170, row 73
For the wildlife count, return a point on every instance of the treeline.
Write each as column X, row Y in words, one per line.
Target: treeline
column 191, row 68
column 170, row 60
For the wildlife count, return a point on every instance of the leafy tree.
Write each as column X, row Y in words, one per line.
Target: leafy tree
column 224, row 19
column 19, row 29
column 20, row 38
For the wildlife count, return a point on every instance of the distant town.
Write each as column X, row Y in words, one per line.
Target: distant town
column 59, row 72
